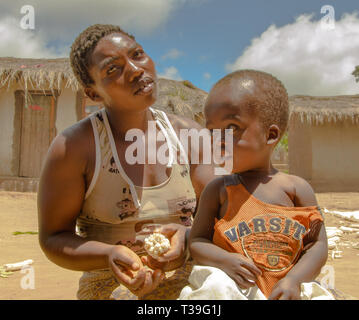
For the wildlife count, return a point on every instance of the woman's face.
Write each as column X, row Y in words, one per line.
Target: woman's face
column 124, row 75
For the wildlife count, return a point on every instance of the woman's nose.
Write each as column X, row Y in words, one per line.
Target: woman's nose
column 134, row 71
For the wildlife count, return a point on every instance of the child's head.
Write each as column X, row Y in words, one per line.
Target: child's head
column 255, row 105
column 113, row 68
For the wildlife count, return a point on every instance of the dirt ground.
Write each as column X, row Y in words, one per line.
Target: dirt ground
column 18, row 213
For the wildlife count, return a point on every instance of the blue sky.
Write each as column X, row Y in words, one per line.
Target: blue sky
column 202, row 40
column 215, row 33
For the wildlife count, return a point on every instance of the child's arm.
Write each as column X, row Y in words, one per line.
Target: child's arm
column 238, row 267
column 315, row 251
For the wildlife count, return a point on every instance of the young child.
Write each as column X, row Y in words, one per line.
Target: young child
column 260, row 226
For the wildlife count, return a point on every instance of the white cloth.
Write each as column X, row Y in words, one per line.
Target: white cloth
column 209, row 283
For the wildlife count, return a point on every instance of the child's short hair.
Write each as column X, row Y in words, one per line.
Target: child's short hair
column 269, row 100
column 83, row 47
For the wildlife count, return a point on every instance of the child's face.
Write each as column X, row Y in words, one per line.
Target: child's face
column 228, row 108
column 124, row 75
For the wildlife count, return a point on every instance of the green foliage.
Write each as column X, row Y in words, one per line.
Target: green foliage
column 188, row 84
column 178, row 92
column 283, row 143
column 15, row 233
column 4, row 274
column 355, row 73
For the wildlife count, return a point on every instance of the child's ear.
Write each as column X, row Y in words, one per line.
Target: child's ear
column 273, row 134
column 92, row 94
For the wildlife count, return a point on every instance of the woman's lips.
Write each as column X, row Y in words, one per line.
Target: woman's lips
column 145, row 88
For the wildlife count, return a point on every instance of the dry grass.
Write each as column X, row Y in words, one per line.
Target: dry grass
column 318, row 110
column 51, row 74
column 178, row 97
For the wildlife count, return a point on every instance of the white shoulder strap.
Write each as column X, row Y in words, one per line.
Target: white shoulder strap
column 117, row 160
column 98, row 156
column 184, row 155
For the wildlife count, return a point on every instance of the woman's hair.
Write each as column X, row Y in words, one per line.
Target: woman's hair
column 269, row 100
column 83, row 47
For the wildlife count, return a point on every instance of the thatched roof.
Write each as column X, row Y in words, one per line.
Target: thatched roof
column 37, row 73
column 179, row 97
column 318, row 110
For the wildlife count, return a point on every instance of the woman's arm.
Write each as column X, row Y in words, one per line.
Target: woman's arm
column 315, row 252
column 60, row 198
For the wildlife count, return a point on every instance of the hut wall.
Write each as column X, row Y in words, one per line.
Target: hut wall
column 7, row 113
column 300, row 148
column 10, row 117
column 66, row 110
column 335, row 150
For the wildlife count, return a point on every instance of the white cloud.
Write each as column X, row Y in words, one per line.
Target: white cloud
column 172, row 54
column 59, row 22
column 20, row 43
column 171, row 73
column 68, row 16
column 306, row 57
column 207, row 75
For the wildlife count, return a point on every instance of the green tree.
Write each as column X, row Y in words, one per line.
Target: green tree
column 355, row 73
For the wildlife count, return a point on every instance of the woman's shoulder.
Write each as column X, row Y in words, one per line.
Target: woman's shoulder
column 191, row 137
column 217, row 187
column 76, row 141
column 180, row 122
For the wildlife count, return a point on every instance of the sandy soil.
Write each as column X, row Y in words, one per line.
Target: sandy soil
column 18, row 213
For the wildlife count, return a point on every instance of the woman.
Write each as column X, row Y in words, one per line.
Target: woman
column 95, row 208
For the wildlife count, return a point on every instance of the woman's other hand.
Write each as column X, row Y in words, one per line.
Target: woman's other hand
column 128, row 269
column 176, row 255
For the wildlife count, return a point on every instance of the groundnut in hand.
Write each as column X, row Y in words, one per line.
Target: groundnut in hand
column 156, row 245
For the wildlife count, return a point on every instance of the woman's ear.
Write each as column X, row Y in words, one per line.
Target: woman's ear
column 92, row 94
column 273, row 134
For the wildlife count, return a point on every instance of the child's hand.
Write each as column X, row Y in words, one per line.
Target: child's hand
column 241, row 269
column 124, row 263
column 286, row 289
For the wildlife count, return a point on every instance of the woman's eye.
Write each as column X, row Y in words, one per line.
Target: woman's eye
column 138, row 53
column 111, row 69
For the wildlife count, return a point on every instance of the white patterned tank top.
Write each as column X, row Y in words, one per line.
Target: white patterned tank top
column 115, row 211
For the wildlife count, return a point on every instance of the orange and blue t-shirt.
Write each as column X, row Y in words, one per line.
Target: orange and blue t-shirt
column 271, row 235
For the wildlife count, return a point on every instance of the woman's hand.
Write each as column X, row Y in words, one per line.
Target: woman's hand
column 128, row 269
column 287, row 288
column 176, row 255
column 241, row 269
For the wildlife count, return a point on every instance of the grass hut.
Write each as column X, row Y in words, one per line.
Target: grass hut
column 324, row 142
column 39, row 98
column 181, row 97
